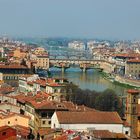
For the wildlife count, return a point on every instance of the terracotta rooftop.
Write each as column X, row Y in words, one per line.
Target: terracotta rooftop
column 126, row 55
column 21, row 130
column 4, row 115
column 30, row 83
column 133, row 61
column 119, row 136
column 133, row 91
column 73, row 107
column 45, row 131
column 102, row 134
column 6, row 90
column 105, row 134
column 12, row 67
column 4, row 127
column 41, row 82
column 38, row 104
column 93, row 117
column 33, row 99
column 55, row 84
column 62, row 137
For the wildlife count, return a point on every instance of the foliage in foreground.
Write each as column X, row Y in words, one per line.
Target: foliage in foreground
column 104, row 101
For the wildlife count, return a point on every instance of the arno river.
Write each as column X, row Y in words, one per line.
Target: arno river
column 92, row 80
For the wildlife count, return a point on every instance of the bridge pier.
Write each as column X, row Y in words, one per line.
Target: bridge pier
column 84, row 69
column 63, row 69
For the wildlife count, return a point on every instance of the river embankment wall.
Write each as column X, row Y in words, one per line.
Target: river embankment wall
column 131, row 82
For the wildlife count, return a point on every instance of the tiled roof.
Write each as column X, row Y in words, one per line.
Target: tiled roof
column 12, row 67
column 30, row 83
column 51, row 82
column 38, row 104
column 4, row 115
column 93, row 117
column 62, row 137
column 41, row 82
column 126, row 55
column 73, row 107
column 133, row 91
column 35, row 100
column 102, row 134
column 119, row 135
column 45, row 131
column 133, row 61
column 105, row 134
column 21, row 130
column 5, row 90
column 5, row 127
column 55, row 84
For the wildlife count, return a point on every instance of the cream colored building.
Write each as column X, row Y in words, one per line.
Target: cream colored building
column 132, row 113
column 19, row 54
column 13, row 119
column 132, row 68
column 42, row 61
column 39, row 50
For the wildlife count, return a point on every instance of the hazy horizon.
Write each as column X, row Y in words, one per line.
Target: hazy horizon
column 91, row 19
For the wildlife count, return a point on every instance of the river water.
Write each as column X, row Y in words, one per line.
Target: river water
column 92, row 80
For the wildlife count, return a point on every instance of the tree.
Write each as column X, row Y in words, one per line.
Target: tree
column 108, row 101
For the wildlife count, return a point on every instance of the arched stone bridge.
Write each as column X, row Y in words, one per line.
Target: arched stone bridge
column 83, row 64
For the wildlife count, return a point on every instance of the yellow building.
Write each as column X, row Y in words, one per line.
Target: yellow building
column 42, row 61
column 13, row 119
column 132, row 68
column 39, row 50
column 19, row 54
column 132, row 113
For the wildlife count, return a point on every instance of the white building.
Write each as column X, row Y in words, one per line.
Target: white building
column 91, row 45
column 23, row 82
column 77, row 45
column 83, row 121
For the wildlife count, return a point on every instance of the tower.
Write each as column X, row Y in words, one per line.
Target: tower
column 132, row 111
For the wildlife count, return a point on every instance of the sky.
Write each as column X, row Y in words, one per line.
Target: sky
column 102, row 19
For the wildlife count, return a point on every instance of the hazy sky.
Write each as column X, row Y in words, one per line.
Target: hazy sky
column 103, row 19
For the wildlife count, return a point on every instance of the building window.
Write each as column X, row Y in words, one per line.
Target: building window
column 49, row 122
column 4, row 133
column 8, row 122
column 54, row 125
column 134, row 110
column 55, row 90
column 43, row 122
column 126, row 132
column 8, row 110
column 15, row 119
column 134, row 99
column 43, row 114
